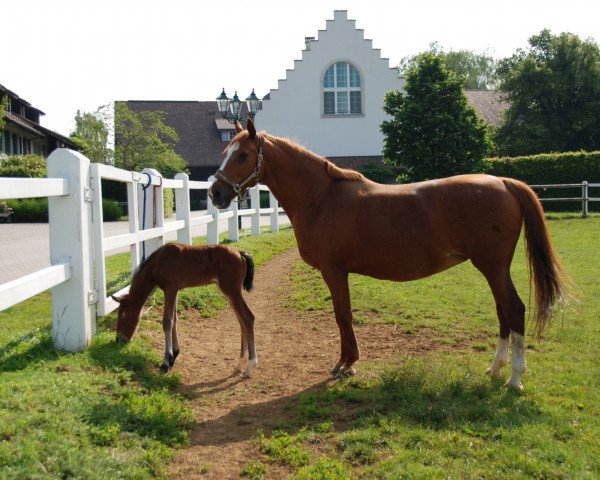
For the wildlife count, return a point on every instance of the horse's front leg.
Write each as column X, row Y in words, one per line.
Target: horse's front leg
column 337, row 281
column 168, row 322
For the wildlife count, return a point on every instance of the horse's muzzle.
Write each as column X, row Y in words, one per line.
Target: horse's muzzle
column 220, row 194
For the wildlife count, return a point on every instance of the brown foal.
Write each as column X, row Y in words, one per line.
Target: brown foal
column 176, row 266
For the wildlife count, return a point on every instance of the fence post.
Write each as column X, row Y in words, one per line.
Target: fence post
column 255, row 204
column 234, row 233
column 151, row 211
column 212, row 228
column 274, row 204
column 70, row 225
column 182, row 209
column 584, row 198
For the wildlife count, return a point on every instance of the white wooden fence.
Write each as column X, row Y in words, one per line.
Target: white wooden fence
column 585, row 198
column 78, row 247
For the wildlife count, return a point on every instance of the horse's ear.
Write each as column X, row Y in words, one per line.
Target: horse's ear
column 238, row 126
column 251, row 129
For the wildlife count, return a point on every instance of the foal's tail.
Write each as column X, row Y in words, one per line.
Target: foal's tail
column 249, row 278
column 550, row 279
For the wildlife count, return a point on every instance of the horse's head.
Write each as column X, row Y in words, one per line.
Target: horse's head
column 127, row 319
column 241, row 167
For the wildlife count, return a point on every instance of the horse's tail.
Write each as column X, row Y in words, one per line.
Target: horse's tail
column 249, row 278
column 550, row 279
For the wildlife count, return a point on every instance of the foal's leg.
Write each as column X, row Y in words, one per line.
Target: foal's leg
column 246, row 320
column 340, row 293
column 175, row 336
column 169, row 313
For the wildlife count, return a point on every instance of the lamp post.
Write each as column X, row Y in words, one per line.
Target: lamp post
column 231, row 108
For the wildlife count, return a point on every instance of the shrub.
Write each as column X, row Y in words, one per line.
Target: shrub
column 29, row 210
column 111, row 210
column 35, row 210
column 23, row 166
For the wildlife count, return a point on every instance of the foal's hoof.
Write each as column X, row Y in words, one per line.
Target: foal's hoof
column 173, row 357
column 164, row 368
column 345, row 373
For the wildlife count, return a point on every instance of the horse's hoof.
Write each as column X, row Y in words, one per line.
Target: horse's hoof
column 517, row 387
column 164, row 368
column 495, row 374
column 335, row 370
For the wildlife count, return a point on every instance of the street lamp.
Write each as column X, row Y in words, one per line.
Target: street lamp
column 231, row 108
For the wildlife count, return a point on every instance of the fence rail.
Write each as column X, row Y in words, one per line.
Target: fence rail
column 585, row 199
column 78, row 247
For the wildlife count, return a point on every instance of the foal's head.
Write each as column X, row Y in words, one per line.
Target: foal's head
column 127, row 319
column 239, row 171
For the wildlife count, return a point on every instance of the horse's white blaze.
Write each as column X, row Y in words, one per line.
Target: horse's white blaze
column 519, row 366
column 230, row 151
column 500, row 358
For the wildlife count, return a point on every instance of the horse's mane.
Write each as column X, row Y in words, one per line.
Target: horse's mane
column 332, row 170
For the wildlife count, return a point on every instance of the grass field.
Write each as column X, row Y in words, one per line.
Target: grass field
column 438, row 415
column 104, row 413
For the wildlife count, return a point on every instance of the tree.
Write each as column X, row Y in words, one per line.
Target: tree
column 91, row 134
column 144, row 140
column 478, row 69
column 3, row 108
column 554, row 94
column 433, row 131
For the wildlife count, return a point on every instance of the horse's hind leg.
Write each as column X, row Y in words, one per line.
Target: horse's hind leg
column 501, row 355
column 511, row 313
column 170, row 310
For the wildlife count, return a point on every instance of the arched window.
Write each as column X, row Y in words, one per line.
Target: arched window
column 342, row 90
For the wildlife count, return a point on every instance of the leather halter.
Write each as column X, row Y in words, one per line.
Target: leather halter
column 238, row 188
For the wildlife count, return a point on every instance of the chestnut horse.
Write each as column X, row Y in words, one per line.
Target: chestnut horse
column 345, row 223
column 175, row 266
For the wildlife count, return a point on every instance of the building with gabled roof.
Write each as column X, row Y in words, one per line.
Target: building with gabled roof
column 331, row 101
column 203, row 134
column 22, row 133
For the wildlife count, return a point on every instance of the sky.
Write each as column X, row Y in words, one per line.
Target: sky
column 67, row 55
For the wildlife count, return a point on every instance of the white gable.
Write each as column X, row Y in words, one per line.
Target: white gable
column 295, row 109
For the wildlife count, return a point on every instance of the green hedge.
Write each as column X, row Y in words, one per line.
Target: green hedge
column 553, row 168
column 35, row 210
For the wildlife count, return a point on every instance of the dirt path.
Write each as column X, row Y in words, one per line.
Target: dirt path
column 295, row 355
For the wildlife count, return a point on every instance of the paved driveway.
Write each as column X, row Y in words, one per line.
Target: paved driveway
column 25, row 247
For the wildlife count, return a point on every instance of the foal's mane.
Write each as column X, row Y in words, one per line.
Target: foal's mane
column 332, row 170
column 142, row 266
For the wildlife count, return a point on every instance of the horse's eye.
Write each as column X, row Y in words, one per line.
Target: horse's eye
column 243, row 156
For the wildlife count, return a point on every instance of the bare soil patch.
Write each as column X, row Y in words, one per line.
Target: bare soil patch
column 295, row 355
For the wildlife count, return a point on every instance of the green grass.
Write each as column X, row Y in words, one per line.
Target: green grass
column 105, row 412
column 438, row 415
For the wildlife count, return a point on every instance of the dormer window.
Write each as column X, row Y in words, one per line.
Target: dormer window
column 342, row 90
